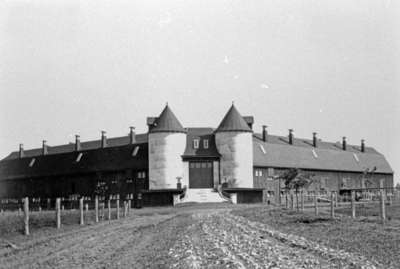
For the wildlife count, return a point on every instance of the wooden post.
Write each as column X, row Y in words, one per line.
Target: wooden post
column 58, row 213
column 332, row 204
column 96, row 208
column 26, row 215
column 81, row 209
column 353, row 204
column 287, row 202
column 316, row 204
column 125, row 209
column 383, row 209
column 291, row 201
column 102, row 210
column 117, row 208
column 48, row 203
column 129, row 206
column 109, row 209
column 302, row 200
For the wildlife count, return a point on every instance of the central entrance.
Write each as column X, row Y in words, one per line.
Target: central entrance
column 201, row 174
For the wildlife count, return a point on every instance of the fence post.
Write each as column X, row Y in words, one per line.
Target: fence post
column 102, row 210
column 125, row 209
column 302, row 200
column 316, row 204
column 129, row 206
column 297, row 201
column 81, row 210
column 117, row 208
column 383, row 209
column 96, row 208
column 291, row 201
column 287, row 201
column 109, row 208
column 58, row 213
column 26, row 215
column 353, row 204
column 332, row 204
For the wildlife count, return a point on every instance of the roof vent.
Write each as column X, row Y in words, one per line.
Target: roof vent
column 344, row 144
column 132, row 135
column 103, row 139
column 291, row 136
column 44, row 148
column 314, row 140
column 264, row 133
column 21, row 151
column 77, row 143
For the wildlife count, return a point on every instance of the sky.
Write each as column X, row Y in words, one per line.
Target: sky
column 78, row 67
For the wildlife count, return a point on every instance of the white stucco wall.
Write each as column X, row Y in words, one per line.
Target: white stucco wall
column 216, row 173
column 165, row 162
column 236, row 149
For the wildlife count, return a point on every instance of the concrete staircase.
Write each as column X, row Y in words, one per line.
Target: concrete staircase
column 203, row 196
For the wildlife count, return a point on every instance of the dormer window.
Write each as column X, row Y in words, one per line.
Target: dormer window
column 314, row 153
column 135, row 151
column 196, row 143
column 263, row 149
column 32, row 162
column 205, row 143
column 78, row 158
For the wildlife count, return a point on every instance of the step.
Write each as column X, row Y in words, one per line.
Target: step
column 203, row 196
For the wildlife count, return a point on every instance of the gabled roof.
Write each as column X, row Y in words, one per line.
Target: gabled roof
column 327, row 156
column 86, row 161
column 167, row 122
column 201, row 134
column 233, row 122
column 88, row 145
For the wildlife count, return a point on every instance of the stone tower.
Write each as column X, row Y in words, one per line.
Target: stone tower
column 234, row 140
column 167, row 142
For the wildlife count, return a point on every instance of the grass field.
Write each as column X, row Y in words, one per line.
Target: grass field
column 364, row 236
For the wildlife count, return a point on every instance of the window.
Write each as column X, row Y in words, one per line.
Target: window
column 270, row 172
column 205, row 143
column 129, row 181
column 263, row 149
column 209, row 165
column 141, row 175
column 32, row 162
column 356, row 157
column 135, row 151
column 259, row 173
column 114, row 181
column 78, row 158
column 314, row 153
column 196, row 144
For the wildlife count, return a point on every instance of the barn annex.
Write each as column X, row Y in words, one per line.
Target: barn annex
column 170, row 158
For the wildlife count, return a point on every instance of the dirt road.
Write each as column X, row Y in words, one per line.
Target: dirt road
column 212, row 238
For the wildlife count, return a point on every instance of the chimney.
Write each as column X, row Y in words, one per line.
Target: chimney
column 291, row 136
column 264, row 133
column 44, row 148
column 344, row 144
column 314, row 140
column 362, row 145
column 132, row 135
column 77, row 143
column 103, row 139
column 21, row 151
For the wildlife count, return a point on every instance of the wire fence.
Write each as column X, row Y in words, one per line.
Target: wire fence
column 378, row 203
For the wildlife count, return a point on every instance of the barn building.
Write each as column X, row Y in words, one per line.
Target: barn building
column 193, row 163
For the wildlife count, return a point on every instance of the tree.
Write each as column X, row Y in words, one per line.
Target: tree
column 296, row 179
column 398, row 186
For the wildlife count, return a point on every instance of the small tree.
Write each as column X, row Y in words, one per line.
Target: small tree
column 295, row 179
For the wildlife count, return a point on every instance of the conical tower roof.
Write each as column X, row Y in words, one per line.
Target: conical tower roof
column 233, row 122
column 167, row 122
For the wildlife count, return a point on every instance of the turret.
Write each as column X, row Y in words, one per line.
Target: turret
column 167, row 142
column 234, row 140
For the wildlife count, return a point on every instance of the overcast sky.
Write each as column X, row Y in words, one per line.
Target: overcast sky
column 78, row 67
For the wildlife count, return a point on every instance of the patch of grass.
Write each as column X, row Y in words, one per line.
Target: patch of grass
column 375, row 241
